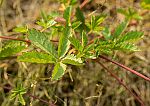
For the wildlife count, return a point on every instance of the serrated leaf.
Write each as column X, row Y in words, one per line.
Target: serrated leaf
column 67, row 15
column 76, row 43
column 21, row 99
column 126, row 47
column 40, row 40
column 73, row 60
column 36, row 57
column 84, row 39
column 79, row 15
column 12, row 48
column 64, row 42
column 58, row 71
column 120, row 28
column 131, row 36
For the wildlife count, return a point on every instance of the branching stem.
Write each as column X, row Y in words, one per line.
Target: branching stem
column 121, row 82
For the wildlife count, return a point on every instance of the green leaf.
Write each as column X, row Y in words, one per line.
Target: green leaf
column 126, row 47
column 36, row 57
column 130, row 13
column 84, row 39
column 122, row 11
column 13, row 96
column 107, row 34
column 21, row 99
column 12, row 48
column 72, row 2
column 64, row 42
column 58, row 71
column 20, row 29
column 40, row 40
column 120, row 28
column 18, row 92
column 76, row 24
column 47, row 24
column 44, row 16
column 94, row 25
column 73, row 60
column 76, row 43
column 79, row 15
column 131, row 36
column 67, row 15
column 96, row 21
column 145, row 4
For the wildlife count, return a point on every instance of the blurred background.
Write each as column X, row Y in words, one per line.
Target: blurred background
column 90, row 85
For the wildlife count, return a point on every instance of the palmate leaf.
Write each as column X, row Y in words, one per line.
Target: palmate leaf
column 96, row 21
column 40, row 40
column 18, row 92
column 72, row 59
column 94, row 25
column 36, row 57
column 64, row 42
column 131, row 36
column 58, row 71
column 12, row 48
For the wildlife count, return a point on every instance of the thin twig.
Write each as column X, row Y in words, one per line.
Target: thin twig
column 84, row 3
column 18, row 39
column 42, row 100
column 121, row 82
column 12, row 38
column 127, row 68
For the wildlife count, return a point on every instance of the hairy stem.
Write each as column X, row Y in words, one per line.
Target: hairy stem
column 127, row 68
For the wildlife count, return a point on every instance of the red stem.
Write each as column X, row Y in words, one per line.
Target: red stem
column 18, row 39
column 35, row 97
column 84, row 3
column 121, row 82
column 12, row 38
column 127, row 68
